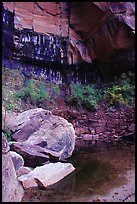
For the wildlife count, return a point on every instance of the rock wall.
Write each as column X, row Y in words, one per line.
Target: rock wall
column 33, row 46
column 107, row 126
column 38, row 32
column 7, row 33
column 71, row 32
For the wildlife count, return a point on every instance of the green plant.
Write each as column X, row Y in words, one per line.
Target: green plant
column 128, row 90
column 55, row 90
column 122, row 92
column 76, row 94
column 8, row 134
column 10, row 105
column 33, row 91
column 42, row 93
column 87, row 96
column 8, row 99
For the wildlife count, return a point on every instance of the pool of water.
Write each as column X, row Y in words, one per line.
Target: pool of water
column 96, row 173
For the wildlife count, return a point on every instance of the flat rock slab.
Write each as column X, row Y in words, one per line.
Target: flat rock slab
column 46, row 175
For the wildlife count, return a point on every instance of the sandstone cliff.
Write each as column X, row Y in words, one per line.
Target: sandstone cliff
column 71, row 32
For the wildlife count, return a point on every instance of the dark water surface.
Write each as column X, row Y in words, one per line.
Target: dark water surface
column 97, row 172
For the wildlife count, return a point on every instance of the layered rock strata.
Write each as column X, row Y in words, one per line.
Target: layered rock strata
column 70, row 33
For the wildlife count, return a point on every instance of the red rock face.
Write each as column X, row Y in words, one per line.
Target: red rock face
column 94, row 29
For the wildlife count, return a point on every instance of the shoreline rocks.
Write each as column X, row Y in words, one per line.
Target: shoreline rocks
column 46, row 175
column 12, row 190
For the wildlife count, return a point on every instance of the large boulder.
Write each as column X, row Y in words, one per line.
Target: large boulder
column 12, row 190
column 41, row 128
column 46, row 175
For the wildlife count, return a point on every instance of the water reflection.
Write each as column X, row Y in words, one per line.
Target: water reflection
column 95, row 173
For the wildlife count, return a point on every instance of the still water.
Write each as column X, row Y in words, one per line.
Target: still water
column 96, row 173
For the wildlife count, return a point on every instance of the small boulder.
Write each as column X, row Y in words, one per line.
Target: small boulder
column 131, row 128
column 46, row 175
column 23, row 170
column 17, row 159
column 87, row 137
